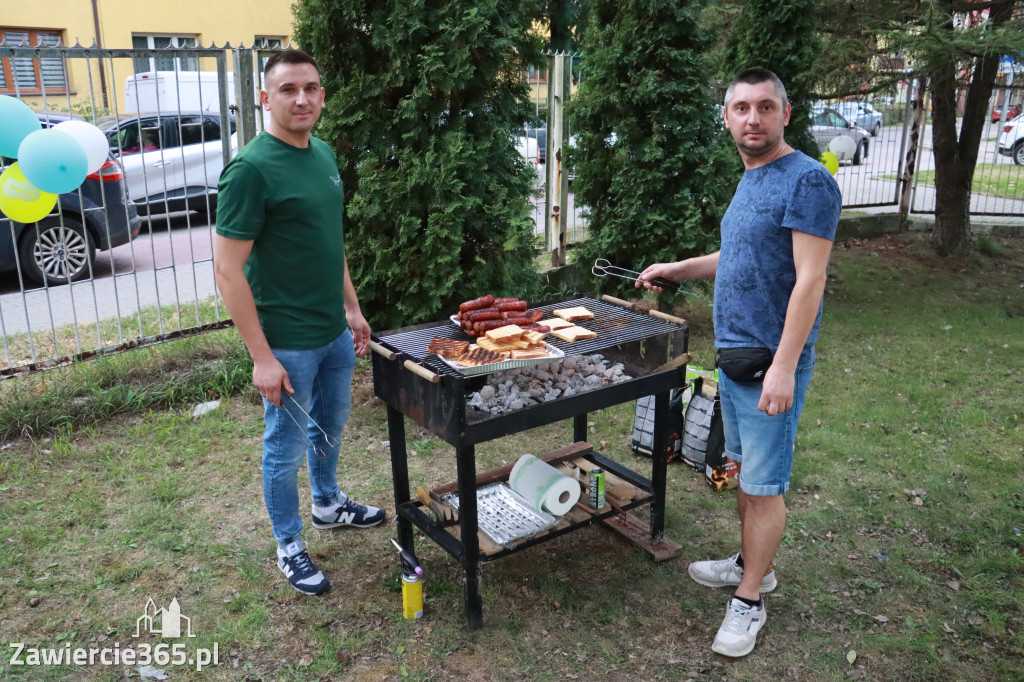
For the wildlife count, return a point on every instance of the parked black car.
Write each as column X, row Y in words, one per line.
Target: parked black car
column 60, row 247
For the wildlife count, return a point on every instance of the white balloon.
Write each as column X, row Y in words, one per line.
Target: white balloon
column 92, row 139
column 843, row 147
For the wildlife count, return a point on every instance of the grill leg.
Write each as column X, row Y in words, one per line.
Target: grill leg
column 466, row 464
column 659, row 467
column 579, row 428
column 400, row 474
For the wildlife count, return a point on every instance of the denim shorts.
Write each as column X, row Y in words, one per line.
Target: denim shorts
column 763, row 444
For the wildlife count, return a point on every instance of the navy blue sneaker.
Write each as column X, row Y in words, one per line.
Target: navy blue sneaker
column 300, row 570
column 348, row 514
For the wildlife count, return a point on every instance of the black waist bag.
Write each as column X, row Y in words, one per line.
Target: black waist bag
column 744, row 364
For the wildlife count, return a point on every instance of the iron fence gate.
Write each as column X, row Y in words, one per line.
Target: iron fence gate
column 143, row 223
column 160, row 285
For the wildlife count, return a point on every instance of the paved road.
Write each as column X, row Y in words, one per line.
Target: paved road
column 170, row 261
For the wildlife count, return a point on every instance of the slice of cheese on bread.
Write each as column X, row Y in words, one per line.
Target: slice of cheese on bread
column 573, row 314
column 573, row 334
column 506, row 333
column 555, row 323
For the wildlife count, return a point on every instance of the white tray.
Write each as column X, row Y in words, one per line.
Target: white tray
column 553, row 354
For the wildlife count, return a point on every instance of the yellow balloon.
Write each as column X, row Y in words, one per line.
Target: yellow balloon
column 22, row 201
column 831, row 162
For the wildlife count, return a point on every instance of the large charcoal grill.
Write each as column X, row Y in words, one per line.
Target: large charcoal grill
column 417, row 385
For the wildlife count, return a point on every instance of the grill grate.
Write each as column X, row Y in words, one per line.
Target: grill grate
column 613, row 324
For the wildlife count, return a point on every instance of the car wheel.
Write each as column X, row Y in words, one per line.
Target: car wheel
column 860, row 154
column 55, row 253
column 1018, row 153
column 877, row 129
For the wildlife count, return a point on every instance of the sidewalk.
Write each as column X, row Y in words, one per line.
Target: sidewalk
column 121, row 296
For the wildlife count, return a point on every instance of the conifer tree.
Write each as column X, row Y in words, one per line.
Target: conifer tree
column 780, row 35
column 424, row 100
column 653, row 166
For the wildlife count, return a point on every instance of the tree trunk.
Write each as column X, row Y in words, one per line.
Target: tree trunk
column 957, row 156
column 952, row 231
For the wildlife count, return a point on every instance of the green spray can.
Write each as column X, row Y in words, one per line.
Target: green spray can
column 595, row 480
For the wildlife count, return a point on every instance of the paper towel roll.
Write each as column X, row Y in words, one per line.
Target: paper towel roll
column 544, row 486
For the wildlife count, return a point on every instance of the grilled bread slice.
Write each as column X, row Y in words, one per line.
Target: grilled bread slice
column 528, row 353
column 533, row 337
column 447, row 348
column 573, row 314
column 506, row 333
column 479, row 356
column 574, row 333
column 499, row 347
column 555, row 323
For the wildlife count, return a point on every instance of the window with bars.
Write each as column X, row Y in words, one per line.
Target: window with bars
column 268, row 43
column 31, row 75
column 167, row 62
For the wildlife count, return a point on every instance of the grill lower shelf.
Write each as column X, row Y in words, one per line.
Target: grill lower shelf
column 621, row 495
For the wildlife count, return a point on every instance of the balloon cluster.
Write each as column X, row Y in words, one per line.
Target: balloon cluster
column 49, row 162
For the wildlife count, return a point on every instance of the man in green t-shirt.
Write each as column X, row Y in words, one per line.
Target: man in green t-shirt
column 280, row 264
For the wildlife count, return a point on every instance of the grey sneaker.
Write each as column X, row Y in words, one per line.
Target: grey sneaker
column 726, row 572
column 348, row 514
column 738, row 633
column 300, row 570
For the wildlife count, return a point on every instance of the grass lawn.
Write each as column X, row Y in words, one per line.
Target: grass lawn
column 901, row 559
column 1000, row 180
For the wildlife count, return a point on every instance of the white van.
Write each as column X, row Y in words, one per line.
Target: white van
column 174, row 91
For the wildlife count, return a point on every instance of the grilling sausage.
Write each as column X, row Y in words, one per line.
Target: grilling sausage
column 487, row 325
column 511, row 306
column 536, row 327
column 523, row 317
column 477, row 303
column 481, row 315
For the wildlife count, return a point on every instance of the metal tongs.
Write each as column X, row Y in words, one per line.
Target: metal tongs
column 603, row 268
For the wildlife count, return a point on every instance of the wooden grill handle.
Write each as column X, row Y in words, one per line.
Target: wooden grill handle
column 382, row 351
column 666, row 316
column 421, row 371
column 618, row 301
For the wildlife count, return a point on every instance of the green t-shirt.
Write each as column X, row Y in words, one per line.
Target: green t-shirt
column 289, row 202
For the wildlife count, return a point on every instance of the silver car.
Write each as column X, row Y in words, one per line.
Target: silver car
column 861, row 113
column 829, row 127
column 172, row 161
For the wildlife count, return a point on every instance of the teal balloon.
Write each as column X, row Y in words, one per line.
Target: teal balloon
column 17, row 121
column 53, row 161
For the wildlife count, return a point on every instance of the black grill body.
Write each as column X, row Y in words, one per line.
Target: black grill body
column 642, row 342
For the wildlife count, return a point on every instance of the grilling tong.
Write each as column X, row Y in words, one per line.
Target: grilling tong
column 603, row 268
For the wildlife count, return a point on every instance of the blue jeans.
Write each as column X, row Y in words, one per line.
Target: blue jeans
column 322, row 380
column 762, row 444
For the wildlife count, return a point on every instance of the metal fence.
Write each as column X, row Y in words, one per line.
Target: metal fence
column 146, row 215
column 160, row 285
column 895, row 170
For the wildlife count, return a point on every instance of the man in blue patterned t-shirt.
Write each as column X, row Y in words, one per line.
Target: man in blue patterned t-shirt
column 769, row 279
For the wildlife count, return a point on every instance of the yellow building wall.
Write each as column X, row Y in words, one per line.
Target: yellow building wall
column 210, row 21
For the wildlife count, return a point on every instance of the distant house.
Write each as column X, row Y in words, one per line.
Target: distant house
column 123, row 24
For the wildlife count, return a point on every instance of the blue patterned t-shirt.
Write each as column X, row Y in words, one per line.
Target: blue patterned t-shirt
column 756, row 273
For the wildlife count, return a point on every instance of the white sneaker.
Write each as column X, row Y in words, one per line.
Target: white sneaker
column 726, row 572
column 738, row 633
